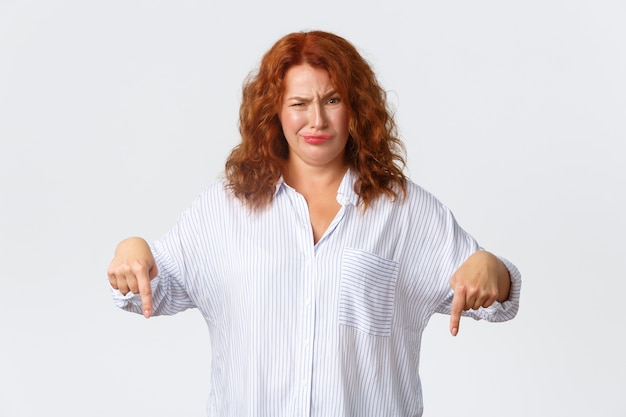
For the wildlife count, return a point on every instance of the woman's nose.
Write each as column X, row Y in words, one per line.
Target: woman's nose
column 318, row 116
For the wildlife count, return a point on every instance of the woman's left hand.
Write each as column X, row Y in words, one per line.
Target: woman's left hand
column 479, row 281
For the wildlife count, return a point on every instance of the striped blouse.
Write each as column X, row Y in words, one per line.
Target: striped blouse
column 303, row 329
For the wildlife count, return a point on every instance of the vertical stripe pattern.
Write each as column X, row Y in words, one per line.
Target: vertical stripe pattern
column 301, row 329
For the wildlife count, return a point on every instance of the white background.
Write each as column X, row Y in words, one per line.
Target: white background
column 115, row 114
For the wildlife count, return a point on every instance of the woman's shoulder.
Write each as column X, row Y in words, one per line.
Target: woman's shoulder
column 416, row 193
column 216, row 196
column 419, row 199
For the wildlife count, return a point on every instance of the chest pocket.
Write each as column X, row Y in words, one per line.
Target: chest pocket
column 367, row 292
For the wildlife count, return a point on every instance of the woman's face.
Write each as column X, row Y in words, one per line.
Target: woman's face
column 313, row 118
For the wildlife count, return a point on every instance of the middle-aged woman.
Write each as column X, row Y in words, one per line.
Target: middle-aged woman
column 315, row 262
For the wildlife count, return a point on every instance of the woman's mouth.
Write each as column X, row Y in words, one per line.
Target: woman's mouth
column 316, row 139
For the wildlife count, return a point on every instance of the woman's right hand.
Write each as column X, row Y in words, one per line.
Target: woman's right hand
column 132, row 269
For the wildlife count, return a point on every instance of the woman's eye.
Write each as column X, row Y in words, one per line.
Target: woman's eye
column 334, row 100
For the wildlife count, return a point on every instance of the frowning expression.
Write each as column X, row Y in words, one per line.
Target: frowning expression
column 313, row 117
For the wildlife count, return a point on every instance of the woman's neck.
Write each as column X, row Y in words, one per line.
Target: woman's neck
column 308, row 179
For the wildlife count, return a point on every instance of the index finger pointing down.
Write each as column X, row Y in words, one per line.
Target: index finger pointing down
column 145, row 290
column 456, row 310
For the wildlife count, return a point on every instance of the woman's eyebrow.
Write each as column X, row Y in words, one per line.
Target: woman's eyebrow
column 324, row 97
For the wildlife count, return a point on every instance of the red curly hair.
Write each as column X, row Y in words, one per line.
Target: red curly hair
column 373, row 151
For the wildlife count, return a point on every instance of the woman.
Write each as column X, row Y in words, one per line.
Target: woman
column 315, row 262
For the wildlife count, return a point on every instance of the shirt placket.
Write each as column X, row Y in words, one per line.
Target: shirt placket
column 306, row 312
